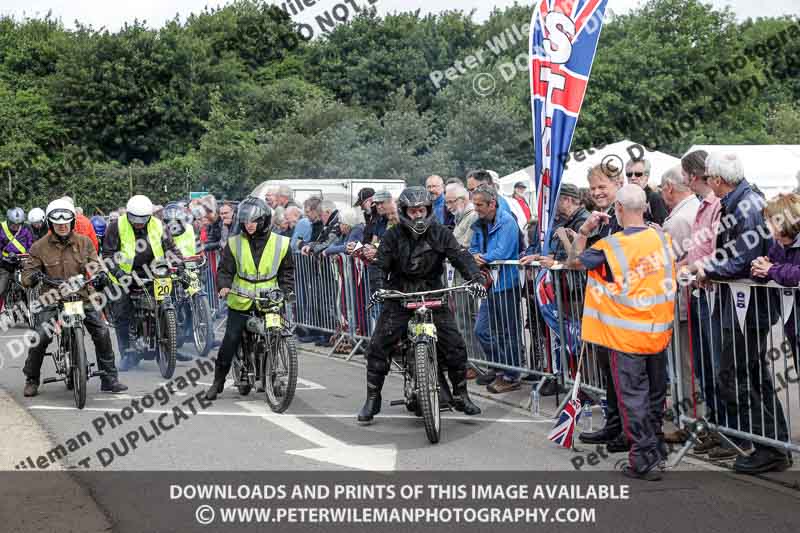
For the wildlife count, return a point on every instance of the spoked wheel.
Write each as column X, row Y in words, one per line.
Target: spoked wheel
column 79, row 367
column 10, row 304
column 202, row 325
column 240, row 370
column 427, row 393
column 63, row 347
column 279, row 372
column 167, row 344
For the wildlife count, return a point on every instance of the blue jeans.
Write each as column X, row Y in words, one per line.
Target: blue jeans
column 497, row 329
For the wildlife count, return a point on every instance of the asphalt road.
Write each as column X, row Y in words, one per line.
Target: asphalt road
column 319, row 436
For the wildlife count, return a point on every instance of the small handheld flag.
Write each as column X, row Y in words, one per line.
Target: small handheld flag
column 564, row 430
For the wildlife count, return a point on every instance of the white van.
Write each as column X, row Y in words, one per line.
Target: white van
column 343, row 192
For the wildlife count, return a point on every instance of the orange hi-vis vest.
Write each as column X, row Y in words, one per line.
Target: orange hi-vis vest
column 635, row 313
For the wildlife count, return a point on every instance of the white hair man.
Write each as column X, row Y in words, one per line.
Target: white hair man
column 456, row 199
column 629, row 309
column 283, row 196
column 742, row 238
column 269, row 196
column 351, row 230
column 683, row 205
column 637, row 171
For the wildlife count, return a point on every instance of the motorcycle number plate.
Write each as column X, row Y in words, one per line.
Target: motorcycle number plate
column 425, row 329
column 73, row 308
column 272, row 320
column 194, row 284
column 162, row 287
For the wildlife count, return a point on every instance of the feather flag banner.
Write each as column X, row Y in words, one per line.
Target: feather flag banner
column 562, row 45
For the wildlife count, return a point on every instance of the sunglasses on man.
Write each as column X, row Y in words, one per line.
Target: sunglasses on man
column 637, row 174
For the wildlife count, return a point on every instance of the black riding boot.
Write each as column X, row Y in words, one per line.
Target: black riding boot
column 461, row 400
column 373, row 404
column 219, row 382
column 445, row 396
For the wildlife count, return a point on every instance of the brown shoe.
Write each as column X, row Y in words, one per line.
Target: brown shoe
column 500, row 386
column 31, row 389
column 679, row 436
column 722, row 454
column 471, row 373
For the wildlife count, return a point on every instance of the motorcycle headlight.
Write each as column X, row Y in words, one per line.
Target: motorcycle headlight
column 276, row 296
column 161, row 270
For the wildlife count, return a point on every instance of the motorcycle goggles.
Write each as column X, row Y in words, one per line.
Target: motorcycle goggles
column 138, row 219
column 61, row 216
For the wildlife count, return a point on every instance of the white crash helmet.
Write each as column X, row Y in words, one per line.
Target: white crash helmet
column 36, row 216
column 139, row 209
column 60, row 211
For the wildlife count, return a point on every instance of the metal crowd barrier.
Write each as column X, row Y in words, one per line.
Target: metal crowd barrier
column 742, row 357
column 733, row 361
column 507, row 331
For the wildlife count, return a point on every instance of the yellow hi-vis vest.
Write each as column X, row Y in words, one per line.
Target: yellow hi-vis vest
column 634, row 313
column 127, row 242
column 185, row 242
column 12, row 239
column 249, row 281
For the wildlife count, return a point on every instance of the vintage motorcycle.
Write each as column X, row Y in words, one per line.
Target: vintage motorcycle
column 267, row 354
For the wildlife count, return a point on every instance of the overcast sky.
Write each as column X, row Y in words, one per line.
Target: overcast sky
column 113, row 13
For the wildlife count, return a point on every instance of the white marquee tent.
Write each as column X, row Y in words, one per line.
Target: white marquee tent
column 775, row 168
column 580, row 161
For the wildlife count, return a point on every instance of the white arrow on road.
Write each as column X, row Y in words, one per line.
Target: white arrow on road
column 380, row 458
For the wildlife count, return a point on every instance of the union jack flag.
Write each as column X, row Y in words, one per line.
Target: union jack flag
column 564, row 429
column 563, row 41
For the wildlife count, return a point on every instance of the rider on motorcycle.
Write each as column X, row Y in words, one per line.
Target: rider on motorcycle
column 15, row 238
column 99, row 224
column 37, row 223
column 239, row 277
column 411, row 257
column 179, row 220
column 137, row 239
column 62, row 255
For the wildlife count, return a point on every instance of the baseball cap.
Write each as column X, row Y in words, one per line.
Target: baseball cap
column 571, row 191
column 363, row 194
column 520, row 184
column 382, row 196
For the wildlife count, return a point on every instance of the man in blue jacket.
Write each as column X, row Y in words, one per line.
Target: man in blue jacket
column 435, row 186
column 497, row 326
column 744, row 379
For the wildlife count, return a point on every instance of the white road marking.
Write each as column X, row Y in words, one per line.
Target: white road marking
column 268, row 414
column 382, row 458
column 307, row 384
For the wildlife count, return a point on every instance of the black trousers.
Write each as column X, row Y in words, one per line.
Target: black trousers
column 234, row 328
column 745, row 385
column 97, row 330
column 123, row 310
column 613, row 420
column 392, row 327
column 641, row 382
